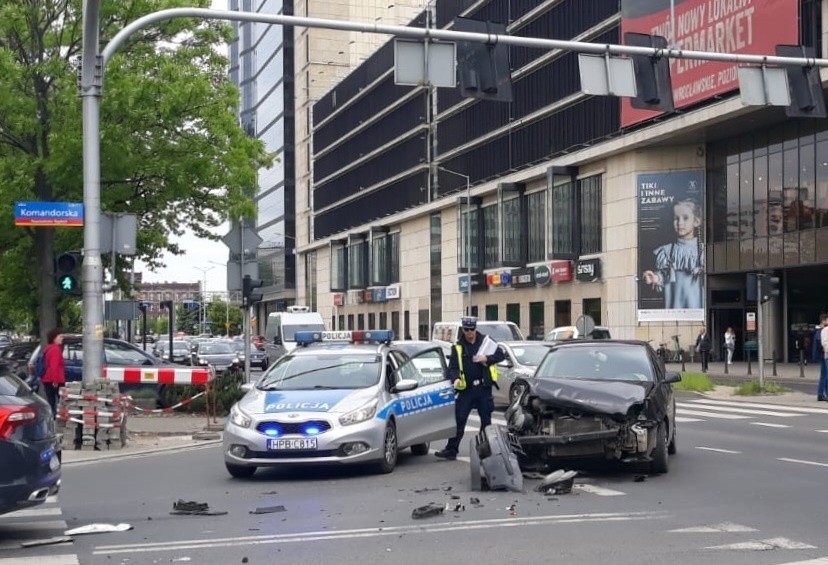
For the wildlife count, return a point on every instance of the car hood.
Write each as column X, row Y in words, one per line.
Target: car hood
column 260, row 402
column 218, row 357
column 611, row 398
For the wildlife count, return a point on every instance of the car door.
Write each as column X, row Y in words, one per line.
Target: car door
column 426, row 413
column 505, row 375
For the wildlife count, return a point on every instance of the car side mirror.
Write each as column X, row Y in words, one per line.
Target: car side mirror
column 672, row 377
column 277, row 340
column 247, row 387
column 506, row 364
column 405, row 385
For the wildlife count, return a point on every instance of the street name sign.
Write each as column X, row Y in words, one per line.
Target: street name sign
column 48, row 214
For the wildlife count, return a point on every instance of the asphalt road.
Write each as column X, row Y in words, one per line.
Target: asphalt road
column 744, row 488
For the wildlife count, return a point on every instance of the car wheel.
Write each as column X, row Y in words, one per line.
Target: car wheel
column 389, row 449
column 671, row 449
column 420, row 449
column 515, row 392
column 659, row 463
column 240, row 472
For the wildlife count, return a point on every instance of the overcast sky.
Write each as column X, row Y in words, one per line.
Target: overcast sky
column 201, row 254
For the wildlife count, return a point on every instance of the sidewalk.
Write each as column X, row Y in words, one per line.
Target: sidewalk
column 738, row 371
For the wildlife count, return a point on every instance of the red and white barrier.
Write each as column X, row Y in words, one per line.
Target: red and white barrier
column 160, row 375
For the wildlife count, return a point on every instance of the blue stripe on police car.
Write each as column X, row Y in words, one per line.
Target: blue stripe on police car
column 415, row 403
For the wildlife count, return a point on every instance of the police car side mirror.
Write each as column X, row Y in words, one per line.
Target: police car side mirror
column 405, row 385
column 246, row 387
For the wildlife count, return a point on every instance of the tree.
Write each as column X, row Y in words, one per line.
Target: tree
column 219, row 313
column 172, row 150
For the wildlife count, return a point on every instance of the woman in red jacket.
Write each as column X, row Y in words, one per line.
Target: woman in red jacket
column 55, row 375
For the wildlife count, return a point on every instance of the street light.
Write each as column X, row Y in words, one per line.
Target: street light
column 226, row 304
column 203, row 316
column 468, row 233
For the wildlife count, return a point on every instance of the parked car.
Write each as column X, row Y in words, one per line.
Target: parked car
column 29, row 448
column 449, row 332
column 180, row 354
column 258, row 358
column 219, row 354
column 601, row 399
column 522, row 358
column 563, row 333
column 16, row 356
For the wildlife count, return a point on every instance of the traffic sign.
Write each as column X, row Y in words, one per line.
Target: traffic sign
column 240, row 240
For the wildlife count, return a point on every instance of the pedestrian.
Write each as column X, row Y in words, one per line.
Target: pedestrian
column 729, row 344
column 55, row 375
column 820, row 350
column 703, row 347
column 473, row 376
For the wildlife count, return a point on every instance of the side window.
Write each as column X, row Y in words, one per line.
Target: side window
column 73, row 351
column 426, row 368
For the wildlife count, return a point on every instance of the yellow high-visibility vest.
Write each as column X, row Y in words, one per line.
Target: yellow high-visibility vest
column 462, row 385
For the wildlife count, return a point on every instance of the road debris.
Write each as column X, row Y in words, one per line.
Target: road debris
column 97, row 529
column 557, row 482
column 427, row 511
column 47, row 541
column 192, row 508
column 639, row 478
column 268, row 509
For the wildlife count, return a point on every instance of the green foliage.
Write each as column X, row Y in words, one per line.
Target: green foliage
column 698, row 382
column 225, row 391
column 752, row 388
column 220, row 312
column 162, row 326
column 172, row 151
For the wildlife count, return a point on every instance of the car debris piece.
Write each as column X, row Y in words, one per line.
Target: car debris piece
column 493, row 460
column 427, row 511
column 474, row 500
column 47, row 541
column 424, row 490
column 268, row 509
column 97, row 529
column 192, row 508
column 557, row 482
column 639, row 478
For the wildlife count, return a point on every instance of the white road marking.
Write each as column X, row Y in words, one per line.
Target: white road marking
column 685, row 420
column 764, row 545
column 28, row 526
column 817, row 561
column 34, row 512
column 304, row 537
column 42, row 560
column 733, row 409
column 728, row 527
column 720, row 416
column 822, row 431
column 798, row 409
column 717, row 450
column 803, row 461
column 52, row 499
column 600, row 491
column 768, row 425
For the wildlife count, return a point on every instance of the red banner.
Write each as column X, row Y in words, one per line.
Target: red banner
column 750, row 27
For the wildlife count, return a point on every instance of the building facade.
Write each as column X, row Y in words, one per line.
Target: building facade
column 422, row 204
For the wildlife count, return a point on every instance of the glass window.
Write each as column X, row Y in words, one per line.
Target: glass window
column 491, row 238
column 775, row 211
column 394, row 261
column 511, row 229
column 563, row 213
column 790, row 190
column 491, row 312
column 337, row 268
column 536, row 214
column 821, row 204
column 590, row 193
column 592, row 307
column 807, row 186
column 760, row 196
column 467, row 247
column 513, row 313
column 746, row 199
column 357, row 261
column 732, row 201
column 379, row 260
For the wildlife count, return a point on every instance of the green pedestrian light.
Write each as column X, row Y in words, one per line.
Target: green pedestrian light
column 67, row 272
column 68, row 283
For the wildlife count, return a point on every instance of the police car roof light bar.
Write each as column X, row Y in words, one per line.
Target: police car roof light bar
column 356, row 336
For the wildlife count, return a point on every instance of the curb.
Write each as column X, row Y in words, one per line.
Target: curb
column 99, row 456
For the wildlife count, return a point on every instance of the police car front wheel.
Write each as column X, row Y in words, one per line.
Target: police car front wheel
column 390, row 449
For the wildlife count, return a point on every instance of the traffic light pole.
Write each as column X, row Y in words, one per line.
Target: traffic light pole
column 760, row 331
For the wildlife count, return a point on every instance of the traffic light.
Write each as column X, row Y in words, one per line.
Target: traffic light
column 67, row 272
column 768, row 287
column 248, row 296
column 483, row 69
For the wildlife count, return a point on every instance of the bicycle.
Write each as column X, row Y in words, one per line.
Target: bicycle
column 671, row 355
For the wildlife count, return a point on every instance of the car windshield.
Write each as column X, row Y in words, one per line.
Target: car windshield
column 289, row 331
column 214, row 349
column 499, row 332
column 181, row 347
column 530, row 355
column 589, row 362
column 307, row 372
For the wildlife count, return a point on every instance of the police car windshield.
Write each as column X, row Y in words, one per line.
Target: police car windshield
column 307, row 372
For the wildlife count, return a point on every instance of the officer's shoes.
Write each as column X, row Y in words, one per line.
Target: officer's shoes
column 446, row 454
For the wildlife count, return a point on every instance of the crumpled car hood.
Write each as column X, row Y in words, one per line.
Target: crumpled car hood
column 611, row 398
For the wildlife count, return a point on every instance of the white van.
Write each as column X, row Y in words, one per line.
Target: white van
column 281, row 328
column 564, row 333
column 449, row 332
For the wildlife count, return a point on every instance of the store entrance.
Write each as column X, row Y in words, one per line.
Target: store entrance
column 807, row 299
column 720, row 320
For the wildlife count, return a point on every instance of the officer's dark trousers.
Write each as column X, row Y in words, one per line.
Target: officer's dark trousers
column 479, row 397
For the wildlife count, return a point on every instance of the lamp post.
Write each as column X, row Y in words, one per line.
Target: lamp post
column 203, row 316
column 468, row 234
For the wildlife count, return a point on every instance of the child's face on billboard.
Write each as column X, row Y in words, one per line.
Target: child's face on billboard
column 685, row 221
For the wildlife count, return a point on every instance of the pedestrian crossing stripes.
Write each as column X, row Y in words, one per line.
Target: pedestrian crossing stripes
column 32, row 525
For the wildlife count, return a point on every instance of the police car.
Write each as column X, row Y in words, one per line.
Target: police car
column 338, row 398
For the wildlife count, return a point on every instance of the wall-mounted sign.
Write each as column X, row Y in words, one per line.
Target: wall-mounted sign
column 499, row 279
column 55, row 214
column 543, row 276
column 561, row 271
column 368, row 295
column 476, row 279
column 379, row 294
column 522, row 278
column 393, row 292
column 338, row 299
column 354, row 297
column 588, row 270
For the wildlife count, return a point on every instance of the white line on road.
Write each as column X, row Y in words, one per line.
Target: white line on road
column 803, row 461
column 304, row 537
column 720, row 416
column 717, row 450
column 725, row 527
column 42, row 560
column 822, row 431
column 34, row 526
column 33, row 512
column 817, row 561
column 686, row 420
column 600, row 491
column 799, row 409
column 748, row 410
column 769, row 425
column 764, row 544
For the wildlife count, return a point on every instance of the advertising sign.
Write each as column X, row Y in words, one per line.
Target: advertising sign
column 54, row 214
column 588, row 270
column 522, row 278
column 543, row 276
column 379, row 294
column 561, row 271
column 392, row 292
column 752, row 27
column 671, row 284
column 338, row 299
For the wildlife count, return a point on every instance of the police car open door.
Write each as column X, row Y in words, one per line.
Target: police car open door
column 426, row 413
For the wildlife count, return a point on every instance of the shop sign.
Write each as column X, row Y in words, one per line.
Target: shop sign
column 379, row 294
column 561, row 271
column 393, row 292
column 499, row 279
column 368, row 295
column 543, row 276
column 588, row 270
column 338, row 299
column 521, row 278
column 463, row 282
column 355, row 297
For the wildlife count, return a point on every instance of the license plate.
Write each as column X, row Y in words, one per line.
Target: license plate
column 288, row 444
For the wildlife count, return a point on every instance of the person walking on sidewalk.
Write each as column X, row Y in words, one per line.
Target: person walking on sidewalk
column 55, row 375
column 703, row 346
column 473, row 376
column 730, row 344
column 820, row 346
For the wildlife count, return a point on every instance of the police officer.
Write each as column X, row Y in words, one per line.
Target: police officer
column 473, row 376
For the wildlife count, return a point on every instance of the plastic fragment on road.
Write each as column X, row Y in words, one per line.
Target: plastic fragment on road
column 493, row 460
column 268, row 509
column 97, row 529
column 47, row 541
column 557, row 482
column 427, row 511
column 192, row 508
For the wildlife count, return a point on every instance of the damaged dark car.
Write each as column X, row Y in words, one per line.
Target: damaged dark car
column 603, row 399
